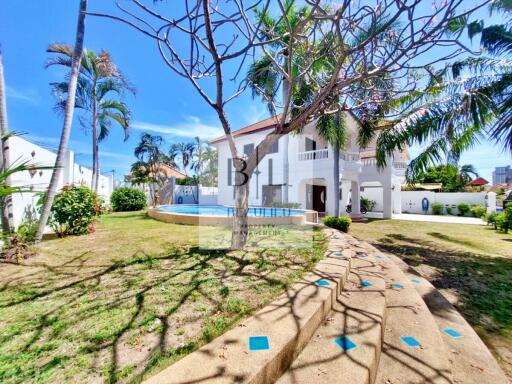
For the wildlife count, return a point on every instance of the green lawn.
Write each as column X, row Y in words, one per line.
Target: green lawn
column 470, row 264
column 122, row 303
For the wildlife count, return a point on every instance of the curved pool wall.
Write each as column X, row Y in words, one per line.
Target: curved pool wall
column 223, row 216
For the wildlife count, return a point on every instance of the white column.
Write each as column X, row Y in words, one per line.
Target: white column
column 356, row 198
column 387, row 200
column 397, row 199
column 491, row 202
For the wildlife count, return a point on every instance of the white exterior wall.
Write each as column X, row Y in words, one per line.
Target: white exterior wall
column 411, row 200
column 72, row 173
column 317, row 171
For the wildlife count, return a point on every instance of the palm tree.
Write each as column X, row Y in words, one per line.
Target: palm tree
column 466, row 171
column 209, row 167
column 4, row 149
column 99, row 79
column 333, row 129
column 150, row 157
column 197, row 155
column 68, row 120
column 182, row 152
column 463, row 103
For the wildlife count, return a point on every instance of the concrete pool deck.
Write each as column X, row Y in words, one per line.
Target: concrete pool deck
column 429, row 218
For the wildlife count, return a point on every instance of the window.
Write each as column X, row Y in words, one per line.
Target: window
column 230, row 171
column 275, row 147
column 270, row 171
column 310, row 144
column 248, row 149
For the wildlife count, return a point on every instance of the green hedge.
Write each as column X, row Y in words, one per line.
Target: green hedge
column 437, row 209
column 128, row 199
column 341, row 223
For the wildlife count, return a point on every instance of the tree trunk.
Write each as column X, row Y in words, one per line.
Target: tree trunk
column 95, row 163
column 5, row 203
column 336, row 178
column 68, row 120
column 240, row 222
column 336, row 170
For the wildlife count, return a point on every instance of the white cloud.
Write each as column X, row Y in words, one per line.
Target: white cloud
column 28, row 96
column 190, row 128
column 79, row 147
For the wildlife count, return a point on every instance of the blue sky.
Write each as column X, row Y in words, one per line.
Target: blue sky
column 164, row 103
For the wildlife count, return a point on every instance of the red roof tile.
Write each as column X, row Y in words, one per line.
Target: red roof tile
column 268, row 123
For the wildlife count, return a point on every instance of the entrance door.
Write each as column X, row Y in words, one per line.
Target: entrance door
column 319, row 195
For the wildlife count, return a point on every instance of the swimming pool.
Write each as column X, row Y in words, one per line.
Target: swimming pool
column 223, row 215
column 222, row 210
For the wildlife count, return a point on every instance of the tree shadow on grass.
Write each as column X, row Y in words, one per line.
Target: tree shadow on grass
column 117, row 321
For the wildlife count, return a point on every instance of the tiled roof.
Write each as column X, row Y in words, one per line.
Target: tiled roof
column 271, row 122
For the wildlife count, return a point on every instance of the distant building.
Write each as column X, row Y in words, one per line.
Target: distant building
column 502, row 175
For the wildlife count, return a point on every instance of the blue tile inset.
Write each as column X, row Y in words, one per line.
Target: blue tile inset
column 338, row 254
column 410, row 341
column 345, row 343
column 415, row 281
column 379, row 257
column 322, row 283
column 397, row 286
column 258, row 343
column 365, row 283
column 452, row 333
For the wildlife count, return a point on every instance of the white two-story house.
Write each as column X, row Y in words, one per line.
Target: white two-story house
column 299, row 169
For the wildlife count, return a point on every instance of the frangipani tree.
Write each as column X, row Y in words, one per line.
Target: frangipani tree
column 223, row 37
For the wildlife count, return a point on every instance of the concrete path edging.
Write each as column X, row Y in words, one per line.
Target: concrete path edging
column 298, row 313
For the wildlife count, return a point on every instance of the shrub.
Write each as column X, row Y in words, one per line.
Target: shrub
column 128, row 199
column 341, row 223
column 368, row 204
column 504, row 220
column 490, row 218
column 463, row 208
column 284, row 205
column 478, row 210
column 437, row 209
column 74, row 211
column 448, row 210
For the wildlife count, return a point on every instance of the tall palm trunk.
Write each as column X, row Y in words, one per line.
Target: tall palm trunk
column 95, row 155
column 68, row 120
column 336, row 170
column 6, row 203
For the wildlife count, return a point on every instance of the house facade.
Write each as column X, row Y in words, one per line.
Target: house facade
column 300, row 169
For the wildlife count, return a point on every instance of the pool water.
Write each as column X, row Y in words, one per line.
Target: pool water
column 222, row 210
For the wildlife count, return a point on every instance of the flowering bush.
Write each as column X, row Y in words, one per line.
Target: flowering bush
column 75, row 210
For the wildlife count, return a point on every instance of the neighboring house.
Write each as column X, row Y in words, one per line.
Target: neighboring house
column 37, row 181
column 299, row 169
column 502, row 175
column 478, row 182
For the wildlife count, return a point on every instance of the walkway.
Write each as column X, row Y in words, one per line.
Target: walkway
column 439, row 219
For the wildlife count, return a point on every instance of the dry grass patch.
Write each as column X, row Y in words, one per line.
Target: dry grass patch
column 137, row 295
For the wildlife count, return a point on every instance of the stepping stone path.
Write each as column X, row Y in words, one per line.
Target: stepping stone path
column 362, row 316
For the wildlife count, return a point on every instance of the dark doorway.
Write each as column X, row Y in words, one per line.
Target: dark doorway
column 319, row 195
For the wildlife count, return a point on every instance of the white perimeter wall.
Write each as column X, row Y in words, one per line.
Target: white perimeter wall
column 72, row 173
column 411, row 200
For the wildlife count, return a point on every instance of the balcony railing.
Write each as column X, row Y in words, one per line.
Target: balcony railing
column 399, row 164
column 314, row 155
column 350, row 156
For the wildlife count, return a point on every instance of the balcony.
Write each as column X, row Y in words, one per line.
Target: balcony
column 314, row 155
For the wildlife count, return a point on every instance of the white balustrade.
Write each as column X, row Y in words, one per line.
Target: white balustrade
column 314, row 155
